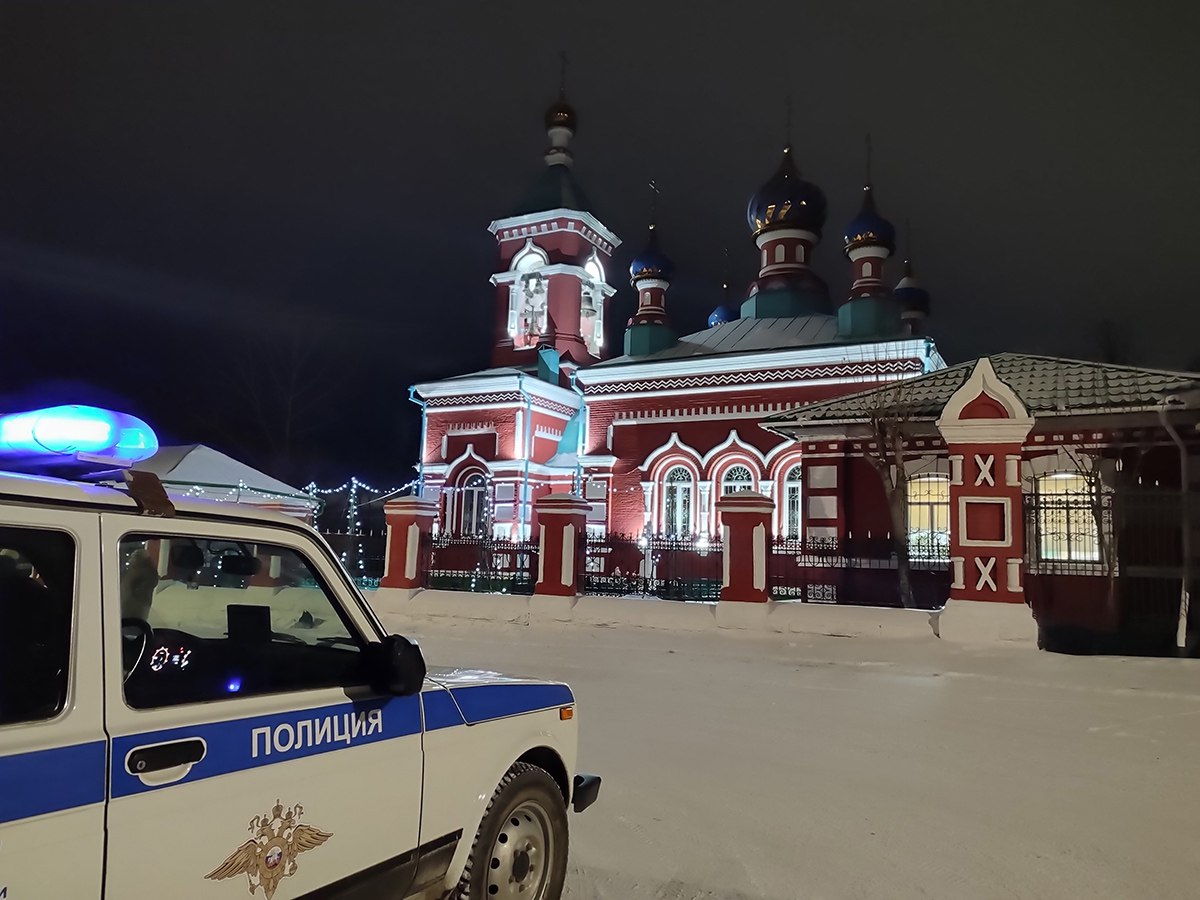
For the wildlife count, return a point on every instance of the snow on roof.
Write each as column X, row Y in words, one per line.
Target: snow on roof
column 487, row 373
column 1048, row 386
column 43, row 489
column 744, row 336
column 198, row 465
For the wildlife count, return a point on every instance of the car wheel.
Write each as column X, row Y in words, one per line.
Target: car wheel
column 521, row 848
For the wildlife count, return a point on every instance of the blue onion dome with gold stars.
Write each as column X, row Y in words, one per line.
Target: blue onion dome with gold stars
column 869, row 228
column 787, row 200
column 651, row 262
column 561, row 115
column 909, row 293
column 721, row 315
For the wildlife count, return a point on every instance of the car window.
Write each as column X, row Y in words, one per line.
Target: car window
column 205, row 619
column 37, row 583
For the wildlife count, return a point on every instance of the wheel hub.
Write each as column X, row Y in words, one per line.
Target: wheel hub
column 519, row 862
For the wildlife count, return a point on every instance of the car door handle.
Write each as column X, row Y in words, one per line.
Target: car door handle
column 161, row 757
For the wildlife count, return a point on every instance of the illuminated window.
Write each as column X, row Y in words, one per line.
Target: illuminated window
column 928, row 504
column 473, row 506
column 594, row 269
column 738, row 478
column 1066, row 518
column 530, row 257
column 677, row 501
column 780, row 253
column 799, row 253
column 867, row 270
column 791, row 504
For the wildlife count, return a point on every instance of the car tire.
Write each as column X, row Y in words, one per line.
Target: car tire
column 521, row 847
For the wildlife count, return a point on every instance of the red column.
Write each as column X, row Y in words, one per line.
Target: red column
column 984, row 424
column 563, row 524
column 745, row 521
column 409, row 521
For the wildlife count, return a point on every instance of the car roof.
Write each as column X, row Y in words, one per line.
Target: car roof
column 44, row 491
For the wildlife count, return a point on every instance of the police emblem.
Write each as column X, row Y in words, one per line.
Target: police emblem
column 270, row 855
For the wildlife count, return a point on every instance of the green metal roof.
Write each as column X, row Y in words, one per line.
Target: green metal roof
column 554, row 188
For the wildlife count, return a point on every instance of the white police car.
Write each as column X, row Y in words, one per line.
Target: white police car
column 195, row 701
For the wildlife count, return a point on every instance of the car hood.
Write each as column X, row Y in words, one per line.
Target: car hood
column 481, row 695
column 456, row 677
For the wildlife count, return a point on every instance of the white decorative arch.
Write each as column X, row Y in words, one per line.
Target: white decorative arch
column 595, row 268
column 468, row 455
column 721, row 466
column 782, row 456
column 735, row 441
column 673, row 445
column 1011, row 427
column 522, row 261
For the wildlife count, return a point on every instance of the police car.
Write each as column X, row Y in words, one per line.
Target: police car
column 196, row 701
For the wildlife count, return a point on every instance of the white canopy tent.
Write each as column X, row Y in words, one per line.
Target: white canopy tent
column 200, row 471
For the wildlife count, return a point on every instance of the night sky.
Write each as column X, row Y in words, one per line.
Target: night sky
column 197, row 196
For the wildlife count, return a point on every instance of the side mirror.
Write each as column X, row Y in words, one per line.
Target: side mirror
column 397, row 666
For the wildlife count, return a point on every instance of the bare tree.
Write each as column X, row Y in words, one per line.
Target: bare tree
column 889, row 417
column 1104, row 474
column 282, row 385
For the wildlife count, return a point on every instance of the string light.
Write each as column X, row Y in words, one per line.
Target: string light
column 353, row 487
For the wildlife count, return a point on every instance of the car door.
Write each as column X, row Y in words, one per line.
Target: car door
column 247, row 752
column 52, row 743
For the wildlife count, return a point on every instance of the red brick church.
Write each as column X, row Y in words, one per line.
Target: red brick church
column 651, row 437
column 1063, row 484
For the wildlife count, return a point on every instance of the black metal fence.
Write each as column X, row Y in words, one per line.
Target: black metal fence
column 1105, row 572
column 480, row 564
column 668, row 568
column 856, row 572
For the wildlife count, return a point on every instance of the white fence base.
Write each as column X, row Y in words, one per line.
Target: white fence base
column 962, row 621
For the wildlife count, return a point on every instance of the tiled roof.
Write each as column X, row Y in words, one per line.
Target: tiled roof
column 1048, row 386
column 744, row 336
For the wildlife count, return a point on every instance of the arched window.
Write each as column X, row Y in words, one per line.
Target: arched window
column 529, row 257
column 867, row 270
column 594, row 269
column 792, row 515
column 677, row 501
column 1067, row 518
column 473, row 506
column 737, row 478
column 799, row 253
column 928, row 503
column 780, row 252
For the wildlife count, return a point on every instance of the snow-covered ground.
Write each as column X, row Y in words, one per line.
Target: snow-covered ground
column 768, row 767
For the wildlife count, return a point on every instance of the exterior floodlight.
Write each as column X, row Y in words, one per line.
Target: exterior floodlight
column 84, row 433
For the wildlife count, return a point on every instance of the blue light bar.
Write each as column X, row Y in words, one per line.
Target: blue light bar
column 84, row 433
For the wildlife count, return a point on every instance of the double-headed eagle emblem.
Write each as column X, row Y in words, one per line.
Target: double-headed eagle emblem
column 270, row 856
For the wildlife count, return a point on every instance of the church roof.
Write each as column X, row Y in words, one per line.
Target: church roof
column 554, row 188
column 743, row 336
column 1047, row 385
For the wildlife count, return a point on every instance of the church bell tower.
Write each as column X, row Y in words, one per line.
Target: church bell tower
column 551, row 287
